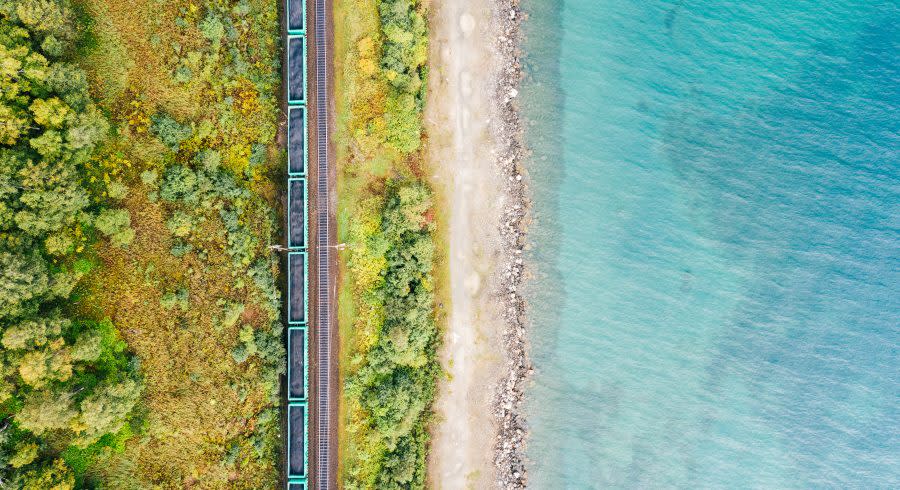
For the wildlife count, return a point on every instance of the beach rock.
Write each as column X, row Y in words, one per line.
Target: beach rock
column 509, row 450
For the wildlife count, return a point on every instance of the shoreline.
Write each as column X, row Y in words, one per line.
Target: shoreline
column 512, row 433
column 475, row 148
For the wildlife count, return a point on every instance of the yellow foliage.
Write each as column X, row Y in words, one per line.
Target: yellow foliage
column 11, row 125
column 246, row 97
column 365, row 47
column 137, row 116
column 40, row 366
column 366, row 66
column 51, row 112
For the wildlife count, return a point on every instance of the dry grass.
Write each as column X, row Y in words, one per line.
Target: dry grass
column 360, row 19
column 134, row 39
column 197, row 399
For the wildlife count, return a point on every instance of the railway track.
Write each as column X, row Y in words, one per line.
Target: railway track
column 324, row 451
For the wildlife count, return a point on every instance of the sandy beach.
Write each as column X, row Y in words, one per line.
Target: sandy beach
column 474, row 146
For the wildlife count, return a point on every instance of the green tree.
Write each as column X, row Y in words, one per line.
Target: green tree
column 42, row 366
column 42, row 17
column 396, row 384
column 403, row 65
column 26, row 453
column 23, row 279
column 62, row 382
column 116, row 224
column 46, row 410
column 34, row 333
column 104, row 411
column 53, row 476
column 13, row 123
column 88, row 347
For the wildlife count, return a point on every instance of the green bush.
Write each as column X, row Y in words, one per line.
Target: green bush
column 180, row 248
column 179, row 184
column 404, row 122
column 181, row 224
column 178, row 298
column 212, row 28
column 117, row 190
column 403, row 64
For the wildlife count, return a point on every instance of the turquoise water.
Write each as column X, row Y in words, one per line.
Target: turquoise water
column 716, row 301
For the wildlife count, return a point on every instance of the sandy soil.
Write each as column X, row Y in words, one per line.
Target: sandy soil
column 458, row 113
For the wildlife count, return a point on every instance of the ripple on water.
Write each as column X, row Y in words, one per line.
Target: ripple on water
column 716, row 190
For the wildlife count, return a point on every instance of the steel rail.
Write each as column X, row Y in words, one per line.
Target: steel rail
column 323, row 254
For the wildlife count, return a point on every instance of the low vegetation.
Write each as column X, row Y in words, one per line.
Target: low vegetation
column 386, row 217
column 139, row 307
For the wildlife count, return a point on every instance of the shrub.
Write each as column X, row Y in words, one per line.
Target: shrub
column 181, row 224
column 180, row 248
column 212, row 28
column 231, row 313
column 178, row 298
column 404, row 122
column 240, row 353
column 149, row 178
column 179, row 184
column 117, row 190
column 183, row 74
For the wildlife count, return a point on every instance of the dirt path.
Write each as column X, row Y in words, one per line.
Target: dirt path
column 458, row 120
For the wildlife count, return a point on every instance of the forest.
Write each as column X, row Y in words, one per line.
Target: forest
column 139, row 300
column 389, row 327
